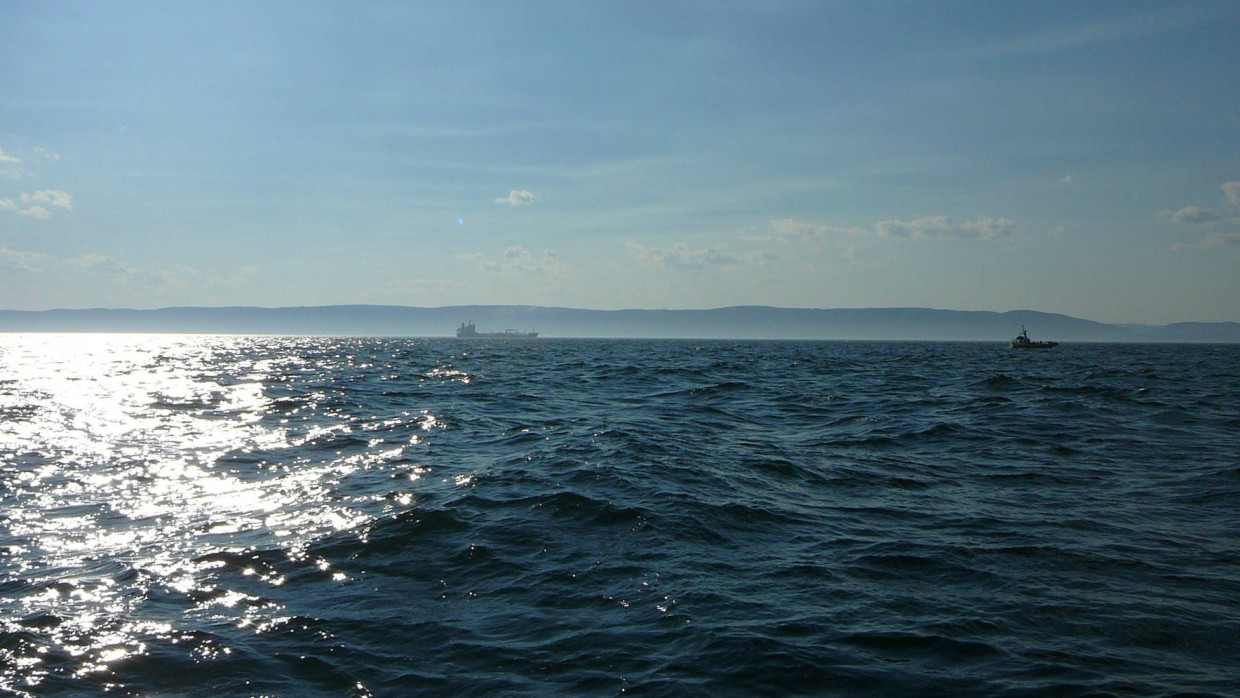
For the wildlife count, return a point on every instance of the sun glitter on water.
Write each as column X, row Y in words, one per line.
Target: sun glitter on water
column 117, row 450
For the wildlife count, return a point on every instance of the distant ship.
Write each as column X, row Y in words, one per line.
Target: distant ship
column 468, row 331
column 1022, row 341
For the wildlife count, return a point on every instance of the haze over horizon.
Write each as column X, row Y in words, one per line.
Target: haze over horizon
column 1070, row 158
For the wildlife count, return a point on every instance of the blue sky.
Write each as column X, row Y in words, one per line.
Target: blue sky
column 1081, row 158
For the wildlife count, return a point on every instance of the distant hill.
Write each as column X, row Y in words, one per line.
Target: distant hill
column 739, row 322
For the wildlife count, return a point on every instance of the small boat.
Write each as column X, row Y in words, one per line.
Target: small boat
column 467, row 330
column 1022, row 341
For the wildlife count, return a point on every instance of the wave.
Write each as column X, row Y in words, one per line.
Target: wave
column 345, row 516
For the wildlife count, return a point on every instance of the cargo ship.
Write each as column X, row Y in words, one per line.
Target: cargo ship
column 467, row 330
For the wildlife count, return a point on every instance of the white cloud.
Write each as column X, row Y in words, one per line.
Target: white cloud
column 1214, row 240
column 32, row 211
column 47, row 280
column 10, row 166
column 123, row 273
column 792, row 229
column 1223, row 240
column 26, row 261
column 1194, row 214
column 521, row 262
column 1232, row 190
column 419, row 291
column 517, row 197
column 14, row 167
column 983, row 228
column 31, row 204
column 54, row 197
column 85, row 266
column 683, row 256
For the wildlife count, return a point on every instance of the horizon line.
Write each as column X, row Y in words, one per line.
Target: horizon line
column 526, row 306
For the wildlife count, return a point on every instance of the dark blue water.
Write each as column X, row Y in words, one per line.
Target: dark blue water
column 308, row 516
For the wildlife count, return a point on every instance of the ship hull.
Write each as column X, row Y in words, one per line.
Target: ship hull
column 467, row 330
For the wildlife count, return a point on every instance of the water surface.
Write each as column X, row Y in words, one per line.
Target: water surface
column 334, row 516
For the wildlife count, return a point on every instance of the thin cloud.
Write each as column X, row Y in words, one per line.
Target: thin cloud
column 54, row 197
column 1230, row 241
column 89, row 263
column 407, row 290
column 32, row 204
column 1232, row 190
column 120, row 272
column 117, row 280
column 682, row 256
column 14, row 167
column 518, row 261
column 10, row 166
column 1162, row 20
column 791, row 229
column 982, row 228
column 517, row 197
column 32, row 211
column 1194, row 215
column 26, row 261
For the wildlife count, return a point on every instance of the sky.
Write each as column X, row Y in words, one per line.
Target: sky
column 1070, row 157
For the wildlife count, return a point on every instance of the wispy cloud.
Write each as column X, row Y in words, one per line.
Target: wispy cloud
column 1163, row 19
column 40, row 263
column 111, row 280
column 981, row 228
column 14, row 167
column 1211, row 219
column 792, row 229
column 32, row 211
column 1232, row 190
column 683, row 256
column 1194, row 215
column 26, row 261
column 517, row 260
column 1228, row 241
column 1200, row 215
column 33, row 204
column 517, row 197
column 1224, row 240
column 418, row 291
column 54, row 197
column 10, row 166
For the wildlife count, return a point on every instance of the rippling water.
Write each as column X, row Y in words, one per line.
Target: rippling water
column 319, row 516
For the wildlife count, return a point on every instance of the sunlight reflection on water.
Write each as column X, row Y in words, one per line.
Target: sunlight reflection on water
column 111, row 448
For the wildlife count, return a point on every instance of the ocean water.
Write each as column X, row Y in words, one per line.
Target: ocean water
column 197, row 515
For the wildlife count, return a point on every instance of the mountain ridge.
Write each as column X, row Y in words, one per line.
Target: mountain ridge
column 730, row 322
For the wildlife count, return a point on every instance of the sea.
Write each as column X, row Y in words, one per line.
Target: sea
column 186, row 515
